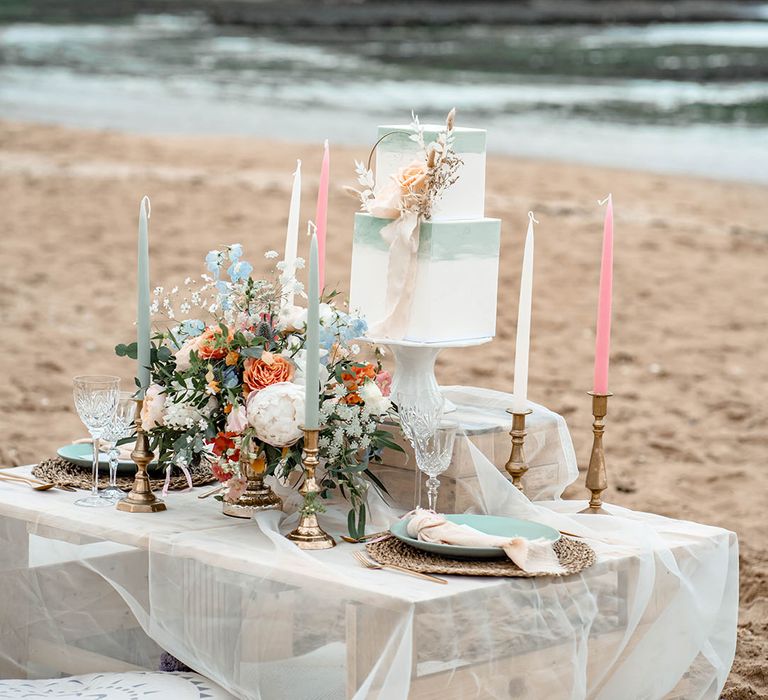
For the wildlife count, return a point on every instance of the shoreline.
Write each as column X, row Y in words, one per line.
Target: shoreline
column 369, row 13
column 681, row 158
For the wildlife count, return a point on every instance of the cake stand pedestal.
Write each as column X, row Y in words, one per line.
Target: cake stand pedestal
column 415, row 361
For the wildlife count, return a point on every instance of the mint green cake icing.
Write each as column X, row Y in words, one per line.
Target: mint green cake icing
column 397, row 138
column 438, row 240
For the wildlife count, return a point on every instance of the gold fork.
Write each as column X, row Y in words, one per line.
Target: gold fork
column 370, row 564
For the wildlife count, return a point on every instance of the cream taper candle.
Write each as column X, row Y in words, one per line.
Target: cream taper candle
column 523, row 341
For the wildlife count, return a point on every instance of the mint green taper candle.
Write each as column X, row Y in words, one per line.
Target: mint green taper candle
column 142, row 313
column 312, row 385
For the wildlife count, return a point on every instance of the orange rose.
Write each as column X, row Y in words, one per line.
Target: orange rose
column 209, row 344
column 267, row 370
column 412, row 179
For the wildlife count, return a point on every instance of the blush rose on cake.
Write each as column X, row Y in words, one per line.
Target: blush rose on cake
column 236, row 379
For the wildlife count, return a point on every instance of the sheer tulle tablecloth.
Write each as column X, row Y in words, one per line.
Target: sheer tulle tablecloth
column 87, row 590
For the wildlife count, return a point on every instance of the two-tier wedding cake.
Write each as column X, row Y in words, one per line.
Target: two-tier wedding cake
column 424, row 257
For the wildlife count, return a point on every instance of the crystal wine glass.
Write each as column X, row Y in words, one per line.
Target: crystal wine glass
column 433, row 456
column 119, row 427
column 420, row 413
column 96, row 399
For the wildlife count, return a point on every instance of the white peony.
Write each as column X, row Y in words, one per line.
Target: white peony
column 276, row 413
column 374, row 400
column 152, row 408
column 299, row 360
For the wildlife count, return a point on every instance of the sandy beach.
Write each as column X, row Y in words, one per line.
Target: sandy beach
column 687, row 435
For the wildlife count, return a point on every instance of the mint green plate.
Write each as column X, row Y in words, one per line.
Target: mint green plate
column 489, row 524
column 82, row 455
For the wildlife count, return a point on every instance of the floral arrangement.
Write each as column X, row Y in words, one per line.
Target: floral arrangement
column 417, row 186
column 235, row 383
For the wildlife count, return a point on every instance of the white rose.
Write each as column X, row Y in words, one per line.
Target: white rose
column 152, row 409
column 182, row 354
column 292, row 318
column 374, row 400
column 327, row 314
column 300, row 362
column 276, row 412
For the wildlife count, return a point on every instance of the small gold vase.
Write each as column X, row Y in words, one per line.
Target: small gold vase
column 257, row 495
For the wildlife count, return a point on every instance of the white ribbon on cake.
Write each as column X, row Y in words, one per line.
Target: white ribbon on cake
column 402, row 235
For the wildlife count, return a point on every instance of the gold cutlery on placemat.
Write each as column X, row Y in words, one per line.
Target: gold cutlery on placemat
column 33, row 483
column 370, row 564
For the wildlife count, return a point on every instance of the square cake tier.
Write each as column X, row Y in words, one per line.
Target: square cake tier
column 465, row 199
column 454, row 297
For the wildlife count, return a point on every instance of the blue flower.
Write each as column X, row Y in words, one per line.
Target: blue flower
column 235, row 252
column 229, row 375
column 212, row 262
column 239, row 270
column 356, row 329
column 191, row 328
column 327, row 337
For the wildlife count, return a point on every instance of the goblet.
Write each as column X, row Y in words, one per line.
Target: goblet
column 433, row 456
column 96, row 399
column 119, row 427
column 420, row 413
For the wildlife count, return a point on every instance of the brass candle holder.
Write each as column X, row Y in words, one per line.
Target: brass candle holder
column 597, row 479
column 516, row 464
column 308, row 534
column 258, row 495
column 141, row 499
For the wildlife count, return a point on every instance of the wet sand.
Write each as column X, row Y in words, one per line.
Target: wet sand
column 687, row 430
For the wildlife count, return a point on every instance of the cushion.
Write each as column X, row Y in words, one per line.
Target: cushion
column 130, row 685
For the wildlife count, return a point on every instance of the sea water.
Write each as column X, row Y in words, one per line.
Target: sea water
column 689, row 98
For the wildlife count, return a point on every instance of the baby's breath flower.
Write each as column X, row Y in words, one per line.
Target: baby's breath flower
column 271, row 254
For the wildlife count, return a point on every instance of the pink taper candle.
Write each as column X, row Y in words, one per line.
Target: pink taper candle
column 603, row 336
column 321, row 214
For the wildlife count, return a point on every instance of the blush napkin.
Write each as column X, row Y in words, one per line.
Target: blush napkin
column 532, row 556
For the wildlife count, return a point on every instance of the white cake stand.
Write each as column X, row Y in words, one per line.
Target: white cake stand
column 416, row 363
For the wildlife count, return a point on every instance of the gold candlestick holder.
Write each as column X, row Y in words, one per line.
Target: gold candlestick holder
column 141, row 499
column 597, row 479
column 516, row 464
column 309, row 534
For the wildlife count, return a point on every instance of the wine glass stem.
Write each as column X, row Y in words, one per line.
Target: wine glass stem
column 113, row 466
column 95, row 475
column 432, row 485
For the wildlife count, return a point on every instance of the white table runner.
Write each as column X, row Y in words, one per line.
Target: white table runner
column 243, row 606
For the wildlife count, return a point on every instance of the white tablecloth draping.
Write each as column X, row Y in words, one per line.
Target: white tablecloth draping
column 96, row 589
column 485, row 422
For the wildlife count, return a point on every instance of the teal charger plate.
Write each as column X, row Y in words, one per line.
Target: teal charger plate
column 82, row 455
column 489, row 524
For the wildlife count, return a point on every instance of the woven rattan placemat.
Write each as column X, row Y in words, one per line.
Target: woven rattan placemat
column 60, row 471
column 574, row 555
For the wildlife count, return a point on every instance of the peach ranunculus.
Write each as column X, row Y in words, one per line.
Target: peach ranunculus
column 267, row 370
column 152, row 408
column 412, row 179
column 209, row 345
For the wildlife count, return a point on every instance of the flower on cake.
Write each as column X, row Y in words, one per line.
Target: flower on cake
column 416, row 187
